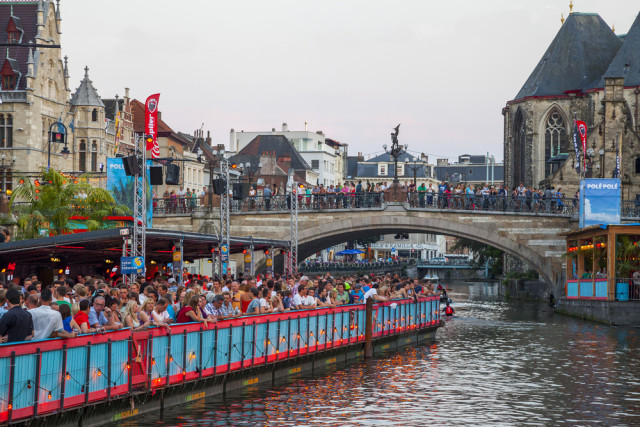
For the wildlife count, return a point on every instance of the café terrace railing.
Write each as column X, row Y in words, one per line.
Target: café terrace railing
column 434, row 202
column 54, row 375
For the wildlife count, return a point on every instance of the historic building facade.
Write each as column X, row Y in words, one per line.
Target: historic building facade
column 590, row 74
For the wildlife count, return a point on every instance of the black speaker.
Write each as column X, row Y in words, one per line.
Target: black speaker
column 131, row 166
column 173, row 174
column 238, row 191
column 155, row 175
column 218, row 186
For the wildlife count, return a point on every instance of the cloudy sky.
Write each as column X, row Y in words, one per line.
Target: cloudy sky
column 353, row 69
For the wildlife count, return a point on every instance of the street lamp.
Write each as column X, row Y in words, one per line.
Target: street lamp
column 250, row 171
column 57, row 137
column 415, row 167
column 6, row 165
column 395, row 151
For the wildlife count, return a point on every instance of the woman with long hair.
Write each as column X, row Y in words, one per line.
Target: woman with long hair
column 190, row 312
column 131, row 319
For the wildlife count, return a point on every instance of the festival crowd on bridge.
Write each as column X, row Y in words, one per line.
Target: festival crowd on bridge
column 31, row 310
column 349, row 195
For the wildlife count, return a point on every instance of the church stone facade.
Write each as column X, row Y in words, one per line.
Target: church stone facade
column 587, row 73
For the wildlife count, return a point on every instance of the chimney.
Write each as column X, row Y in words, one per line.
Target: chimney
column 442, row 162
column 159, row 115
column 273, row 130
column 126, row 93
column 360, row 157
column 232, row 140
column 208, row 140
column 285, row 128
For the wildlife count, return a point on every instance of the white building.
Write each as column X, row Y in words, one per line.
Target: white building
column 420, row 246
column 325, row 156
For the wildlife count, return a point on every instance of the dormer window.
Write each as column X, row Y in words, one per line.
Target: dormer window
column 14, row 30
column 9, row 74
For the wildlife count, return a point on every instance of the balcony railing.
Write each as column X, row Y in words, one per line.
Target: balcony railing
column 624, row 289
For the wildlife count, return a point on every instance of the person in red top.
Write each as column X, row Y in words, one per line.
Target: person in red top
column 82, row 318
column 191, row 312
column 449, row 311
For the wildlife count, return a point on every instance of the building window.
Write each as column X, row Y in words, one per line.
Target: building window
column 94, row 115
column 382, row 170
column 6, row 131
column 400, row 169
column 638, row 165
column 8, row 81
column 315, row 164
column 13, row 37
column 94, row 156
column 556, row 142
column 82, row 157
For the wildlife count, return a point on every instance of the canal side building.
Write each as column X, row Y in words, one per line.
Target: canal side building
column 592, row 73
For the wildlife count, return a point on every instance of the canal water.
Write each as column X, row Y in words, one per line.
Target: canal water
column 495, row 363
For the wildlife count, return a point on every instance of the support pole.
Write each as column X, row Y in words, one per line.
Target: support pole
column 368, row 329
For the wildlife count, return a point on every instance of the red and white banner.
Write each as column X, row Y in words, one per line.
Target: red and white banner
column 582, row 131
column 151, row 124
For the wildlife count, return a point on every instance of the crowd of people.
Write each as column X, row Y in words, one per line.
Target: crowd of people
column 31, row 310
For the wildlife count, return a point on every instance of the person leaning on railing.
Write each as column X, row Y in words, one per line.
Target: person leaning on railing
column 16, row 324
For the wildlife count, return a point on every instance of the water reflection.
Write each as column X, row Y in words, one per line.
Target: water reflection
column 496, row 363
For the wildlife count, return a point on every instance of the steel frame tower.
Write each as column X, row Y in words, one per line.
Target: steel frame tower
column 137, row 247
column 224, row 212
column 292, row 267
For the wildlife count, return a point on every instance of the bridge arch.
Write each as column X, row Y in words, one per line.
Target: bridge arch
column 312, row 239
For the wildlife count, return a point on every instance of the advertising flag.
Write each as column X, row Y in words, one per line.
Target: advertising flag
column 117, row 131
column 576, row 147
column 582, row 131
column 151, row 124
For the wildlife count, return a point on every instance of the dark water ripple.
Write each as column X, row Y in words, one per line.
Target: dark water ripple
column 495, row 364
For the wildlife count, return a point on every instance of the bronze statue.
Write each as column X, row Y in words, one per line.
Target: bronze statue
column 394, row 135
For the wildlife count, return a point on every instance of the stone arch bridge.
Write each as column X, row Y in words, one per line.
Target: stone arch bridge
column 532, row 238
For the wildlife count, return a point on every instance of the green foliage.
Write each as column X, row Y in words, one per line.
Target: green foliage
column 627, row 256
column 51, row 204
column 481, row 255
column 366, row 241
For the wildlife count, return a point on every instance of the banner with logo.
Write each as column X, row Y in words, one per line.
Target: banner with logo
column 269, row 264
column 117, row 139
column 151, row 124
column 600, row 202
column 582, row 133
column 224, row 258
column 122, row 187
column 132, row 265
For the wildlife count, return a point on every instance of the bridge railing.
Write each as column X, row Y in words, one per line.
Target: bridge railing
column 350, row 201
column 351, row 266
column 55, row 375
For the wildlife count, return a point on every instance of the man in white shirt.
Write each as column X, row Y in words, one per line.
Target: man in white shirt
column 301, row 301
column 47, row 323
column 373, row 293
column 160, row 313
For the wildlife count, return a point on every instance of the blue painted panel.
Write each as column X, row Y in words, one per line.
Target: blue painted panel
column 273, row 337
column 360, row 318
column 601, row 289
column 208, row 348
column 5, row 365
column 338, row 330
column 248, row 343
column 176, row 359
column 322, row 329
column 236, row 344
column 193, row 351
column 51, row 375
column 159, row 355
column 261, row 346
column 119, row 358
column 304, row 331
column 222, row 347
column 292, row 337
column 25, row 373
column 572, row 289
column 77, row 368
column 586, row 289
column 622, row 292
column 98, row 367
column 283, row 335
column 313, row 330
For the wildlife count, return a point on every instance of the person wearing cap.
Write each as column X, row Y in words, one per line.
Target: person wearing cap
column 173, row 286
column 357, row 295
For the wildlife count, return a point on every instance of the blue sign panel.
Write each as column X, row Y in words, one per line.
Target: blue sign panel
column 132, row 265
column 600, row 202
column 121, row 186
column 224, row 256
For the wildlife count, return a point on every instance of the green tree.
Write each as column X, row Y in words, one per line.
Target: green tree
column 52, row 202
column 481, row 254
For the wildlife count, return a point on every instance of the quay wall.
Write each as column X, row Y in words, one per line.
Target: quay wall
column 60, row 381
column 618, row 313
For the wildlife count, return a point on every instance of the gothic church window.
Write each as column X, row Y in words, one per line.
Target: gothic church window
column 556, row 142
column 6, row 131
column 94, row 156
column 82, row 157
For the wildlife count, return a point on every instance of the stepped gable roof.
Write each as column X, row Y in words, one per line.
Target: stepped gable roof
column 277, row 146
column 24, row 16
column 576, row 59
column 86, row 94
column 627, row 61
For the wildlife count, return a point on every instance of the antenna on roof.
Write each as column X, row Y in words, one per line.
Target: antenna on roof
column 570, row 6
